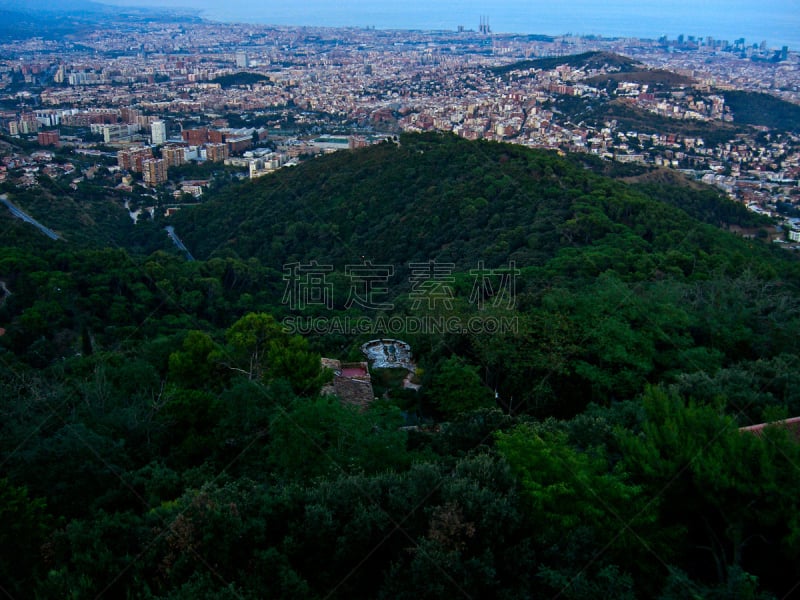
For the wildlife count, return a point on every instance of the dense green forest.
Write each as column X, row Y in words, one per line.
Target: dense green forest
column 164, row 434
column 240, row 78
column 755, row 108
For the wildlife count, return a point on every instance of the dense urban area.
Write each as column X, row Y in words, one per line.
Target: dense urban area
column 141, row 98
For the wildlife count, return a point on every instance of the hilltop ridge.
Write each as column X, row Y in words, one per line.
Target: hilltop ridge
column 441, row 197
column 595, row 59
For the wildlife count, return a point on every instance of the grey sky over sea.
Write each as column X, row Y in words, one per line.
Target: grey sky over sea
column 776, row 21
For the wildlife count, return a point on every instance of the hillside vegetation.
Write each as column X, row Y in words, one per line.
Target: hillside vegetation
column 586, row 60
column 656, row 79
column 164, row 435
column 753, row 108
column 463, row 202
column 632, row 118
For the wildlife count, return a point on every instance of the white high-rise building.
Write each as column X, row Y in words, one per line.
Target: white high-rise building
column 158, row 132
column 241, row 60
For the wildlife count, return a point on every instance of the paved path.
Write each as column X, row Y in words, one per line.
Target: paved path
column 17, row 212
column 177, row 241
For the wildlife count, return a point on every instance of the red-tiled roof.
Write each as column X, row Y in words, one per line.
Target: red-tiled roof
column 354, row 372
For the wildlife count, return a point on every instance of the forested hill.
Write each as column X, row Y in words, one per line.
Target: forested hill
column 435, row 197
column 164, row 436
column 586, row 60
column 753, row 108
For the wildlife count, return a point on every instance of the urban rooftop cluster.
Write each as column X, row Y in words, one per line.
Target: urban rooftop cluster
column 160, row 95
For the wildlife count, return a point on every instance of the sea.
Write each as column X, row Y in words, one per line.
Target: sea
column 776, row 22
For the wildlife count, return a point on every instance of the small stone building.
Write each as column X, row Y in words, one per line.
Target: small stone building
column 351, row 382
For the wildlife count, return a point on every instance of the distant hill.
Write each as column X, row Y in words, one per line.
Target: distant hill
column 240, row 78
column 658, row 78
column 749, row 108
column 19, row 22
column 631, row 118
column 755, row 108
column 43, row 18
column 586, row 60
column 33, row 6
column 443, row 198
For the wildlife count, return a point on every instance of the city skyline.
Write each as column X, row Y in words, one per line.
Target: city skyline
column 776, row 21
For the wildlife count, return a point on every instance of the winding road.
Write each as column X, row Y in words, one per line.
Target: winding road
column 6, row 293
column 17, row 212
column 177, row 241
